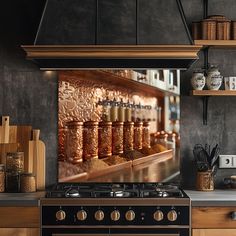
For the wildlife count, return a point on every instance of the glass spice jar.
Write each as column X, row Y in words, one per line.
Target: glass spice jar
column 128, row 136
column 146, row 135
column 12, row 182
column 90, row 140
column 27, row 183
column 15, row 162
column 74, row 142
column 117, row 137
column 138, row 135
column 2, row 178
column 105, row 139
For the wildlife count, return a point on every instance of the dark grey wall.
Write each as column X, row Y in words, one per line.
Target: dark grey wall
column 221, row 127
column 30, row 96
column 27, row 95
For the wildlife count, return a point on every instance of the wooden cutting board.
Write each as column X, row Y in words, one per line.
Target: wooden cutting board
column 5, row 148
column 37, row 159
column 4, row 130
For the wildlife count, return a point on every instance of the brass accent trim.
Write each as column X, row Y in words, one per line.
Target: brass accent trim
column 161, row 234
column 112, row 51
column 117, row 202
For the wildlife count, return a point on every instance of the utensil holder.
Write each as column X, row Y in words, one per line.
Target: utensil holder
column 205, row 181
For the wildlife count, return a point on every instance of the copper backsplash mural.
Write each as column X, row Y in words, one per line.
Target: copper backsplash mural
column 86, row 99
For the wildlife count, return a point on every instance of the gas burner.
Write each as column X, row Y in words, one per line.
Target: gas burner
column 121, row 190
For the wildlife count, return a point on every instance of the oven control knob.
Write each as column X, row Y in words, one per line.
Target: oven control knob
column 99, row 215
column 130, row 215
column 158, row 215
column 172, row 215
column 115, row 215
column 60, row 215
column 81, row 215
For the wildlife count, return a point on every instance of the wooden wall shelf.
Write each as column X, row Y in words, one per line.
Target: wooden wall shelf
column 122, row 81
column 226, row 44
column 213, row 93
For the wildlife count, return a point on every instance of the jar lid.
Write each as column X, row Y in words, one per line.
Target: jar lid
column 117, row 123
column 27, row 174
column 146, row 123
column 105, row 123
column 74, row 123
column 90, row 123
column 15, row 154
column 138, row 123
column 128, row 123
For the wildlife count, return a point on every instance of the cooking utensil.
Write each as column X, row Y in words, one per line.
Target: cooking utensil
column 37, row 159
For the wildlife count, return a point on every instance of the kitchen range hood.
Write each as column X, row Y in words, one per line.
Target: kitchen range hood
column 75, row 34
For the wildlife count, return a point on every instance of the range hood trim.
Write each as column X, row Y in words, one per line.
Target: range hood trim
column 112, row 51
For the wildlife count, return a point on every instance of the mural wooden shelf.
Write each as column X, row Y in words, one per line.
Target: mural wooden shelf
column 205, row 94
column 213, row 93
column 224, row 44
column 124, row 82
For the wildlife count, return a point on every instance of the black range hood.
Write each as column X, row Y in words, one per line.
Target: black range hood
column 75, row 34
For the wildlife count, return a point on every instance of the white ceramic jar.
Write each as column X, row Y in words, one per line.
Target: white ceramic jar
column 214, row 79
column 198, row 80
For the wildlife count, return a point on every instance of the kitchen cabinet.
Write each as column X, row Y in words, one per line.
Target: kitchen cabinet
column 217, row 221
column 116, row 22
column 19, row 221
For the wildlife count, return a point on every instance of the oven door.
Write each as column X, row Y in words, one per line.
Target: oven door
column 118, row 231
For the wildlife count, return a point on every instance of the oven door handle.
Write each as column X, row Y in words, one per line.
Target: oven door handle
column 162, row 234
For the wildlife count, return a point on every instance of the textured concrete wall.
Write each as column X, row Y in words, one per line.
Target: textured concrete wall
column 30, row 96
column 221, row 126
column 27, row 95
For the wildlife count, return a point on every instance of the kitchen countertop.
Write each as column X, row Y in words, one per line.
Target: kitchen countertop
column 20, row 199
column 212, row 198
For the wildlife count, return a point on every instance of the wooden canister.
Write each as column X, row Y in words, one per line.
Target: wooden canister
column 117, row 137
column 105, row 139
column 74, row 142
column 128, row 136
column 208, row 29
column 223, row 30
column 90, row 140
column 138, row 135
column 233, row 30
column 196, row 30
column 205, row 181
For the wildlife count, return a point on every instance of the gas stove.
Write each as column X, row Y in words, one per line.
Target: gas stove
column 144, row 190
column 106, row 209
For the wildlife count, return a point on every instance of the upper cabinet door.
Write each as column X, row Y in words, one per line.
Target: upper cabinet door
column 68, row 22
column 159, row 22
column 116, row 22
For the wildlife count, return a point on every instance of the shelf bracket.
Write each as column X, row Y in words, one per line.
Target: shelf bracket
column 205, row 109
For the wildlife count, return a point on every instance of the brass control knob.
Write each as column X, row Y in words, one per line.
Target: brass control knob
column 81, row 215
column 130, row 215
column 99, row 215
column 172, row 215
column 115, row 215
column 60, row 215
column 158, row 215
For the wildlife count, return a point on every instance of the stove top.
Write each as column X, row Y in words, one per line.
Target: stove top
column 121, row 190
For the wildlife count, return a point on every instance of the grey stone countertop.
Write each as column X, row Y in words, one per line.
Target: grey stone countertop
column 20, row 199
column 212, row 198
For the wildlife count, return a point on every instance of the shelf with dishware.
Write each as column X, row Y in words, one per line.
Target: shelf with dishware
column 213, row 92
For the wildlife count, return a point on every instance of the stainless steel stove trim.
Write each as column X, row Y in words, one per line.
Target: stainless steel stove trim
column 116, row 234
column 115, row 227
column 116, row 201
